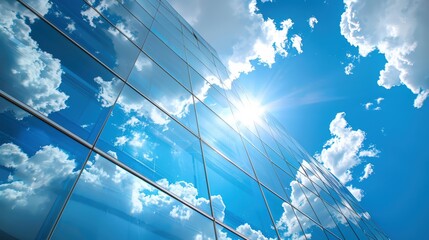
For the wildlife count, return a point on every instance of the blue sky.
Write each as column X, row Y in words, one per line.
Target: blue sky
column 350, row 89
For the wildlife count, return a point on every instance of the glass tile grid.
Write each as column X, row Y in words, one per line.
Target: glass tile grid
column 119, row 31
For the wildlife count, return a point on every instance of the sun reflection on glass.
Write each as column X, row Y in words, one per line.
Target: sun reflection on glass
column 250, row 112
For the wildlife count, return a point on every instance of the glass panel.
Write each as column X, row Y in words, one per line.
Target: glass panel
column 221, row 136
column 250, row 136
column 148, row 6
column 290, row 158
column 173, row 41
column 38, row 166
column 90, row 30
column 121, row 18
column 225, row 234
column 139, row 12
column 172, row 20
column 285, row 179
column 311, row 229
column 211, row 97
column 50, row 74
column 299, row 200
column 264, row 170
column 236, row 198
column 167, row 59
column 162, row 89
column 286, row 222
column 267, row 138
column 322, row 212
column 110, row 203
column 146, row 139
column 346, row 230
column 202, row 69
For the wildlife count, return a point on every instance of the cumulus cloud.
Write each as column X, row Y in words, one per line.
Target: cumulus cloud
column 142, row 194
column 398, row 30
column 356, row 192
column 344, row 150
column 375, row 106
column 348, row 70
column 31, row 176
column 297, row 43
column 312, row 21
column 368, row 170
column 29, row 73
column 250, row 233
column 221, row 24
column 131, row 102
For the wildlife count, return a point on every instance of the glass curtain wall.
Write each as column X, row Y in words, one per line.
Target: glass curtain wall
column 117, row 121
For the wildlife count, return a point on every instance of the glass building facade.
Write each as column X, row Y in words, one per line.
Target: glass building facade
column 119, row 121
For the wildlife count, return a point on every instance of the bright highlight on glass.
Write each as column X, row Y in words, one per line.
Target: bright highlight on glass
column 251, row 112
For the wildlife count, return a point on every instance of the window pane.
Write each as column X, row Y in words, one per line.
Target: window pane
column 139, row 12
column 122, row 19
column 90, row 30
column 50, row 74
column 38, row 166
column 167, row 59
column 221, row 136
column 161, row 88
column 236, row 198
column 310, row 228
column 225, row 234
column 110, row 203
column 264, row 170
column 146, row 139
column 286, row 222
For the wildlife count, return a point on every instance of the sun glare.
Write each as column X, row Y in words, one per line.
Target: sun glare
column 250, row 113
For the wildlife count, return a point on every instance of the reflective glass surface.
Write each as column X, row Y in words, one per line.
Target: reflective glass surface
column 92, row 31
column 221, row 136
column 152, row 81
column 110, row 203
column 167, row 59
column 48, row 78
column 119, row 121
column 146, row 139
column 236, row 198
column 38, row 166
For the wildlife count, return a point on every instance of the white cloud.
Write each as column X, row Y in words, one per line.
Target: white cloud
column 344, row 150
column 141, row 194
column 312, row 22
column 221, row 24
column 138, row 139
column 250, row 233
column 356, row 192
column 375, row 106
column 32, row 177
column 368, row 170
column 34, row 75
column 368, row 105
column 397, row 29
column 71, row 27
column 421, row 97
column 108, row 91
column 348, row 70
column 297, row 43
column 130, row 101
column 120, row 141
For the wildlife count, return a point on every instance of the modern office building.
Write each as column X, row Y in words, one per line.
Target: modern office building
column 119, row 121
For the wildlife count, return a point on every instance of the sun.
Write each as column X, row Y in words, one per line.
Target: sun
column 250, row 112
